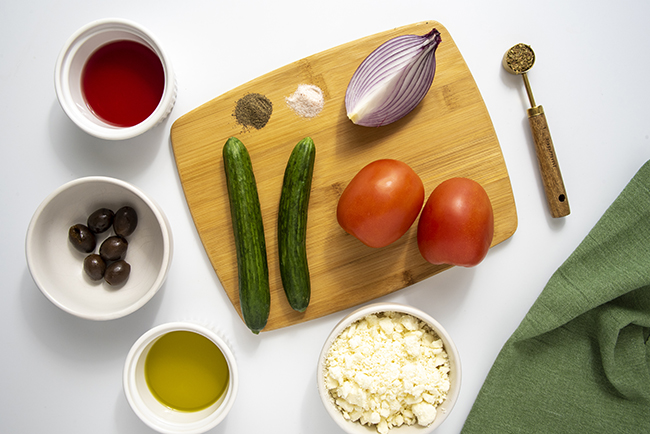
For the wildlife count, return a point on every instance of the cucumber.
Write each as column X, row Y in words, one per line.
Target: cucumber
column 292, row 224
column 246, row 214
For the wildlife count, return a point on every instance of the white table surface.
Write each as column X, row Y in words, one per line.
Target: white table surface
column 61, row 374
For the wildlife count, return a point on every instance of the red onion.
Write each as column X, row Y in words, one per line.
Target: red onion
column 392, row 80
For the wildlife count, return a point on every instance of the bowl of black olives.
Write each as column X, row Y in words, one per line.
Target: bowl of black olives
column 99, row 248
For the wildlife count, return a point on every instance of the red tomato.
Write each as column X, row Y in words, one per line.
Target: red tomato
column 381, row 202
column 457, row 224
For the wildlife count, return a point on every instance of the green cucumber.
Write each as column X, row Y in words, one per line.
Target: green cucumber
column 292, row 224
column 246, row 214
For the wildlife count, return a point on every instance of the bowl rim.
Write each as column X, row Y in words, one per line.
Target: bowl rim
column 444, row 409
column 165, row 229
column 107, row 132
column 129, row 378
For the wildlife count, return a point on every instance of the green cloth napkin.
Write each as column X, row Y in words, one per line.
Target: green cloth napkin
column 579, row 362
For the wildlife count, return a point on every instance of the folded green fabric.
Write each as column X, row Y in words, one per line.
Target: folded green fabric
column 579, row 362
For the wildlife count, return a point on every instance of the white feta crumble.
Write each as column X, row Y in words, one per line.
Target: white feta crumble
column 425, row 413
column 387, row 370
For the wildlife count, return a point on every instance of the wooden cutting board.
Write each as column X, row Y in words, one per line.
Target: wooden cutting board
column 449, row 134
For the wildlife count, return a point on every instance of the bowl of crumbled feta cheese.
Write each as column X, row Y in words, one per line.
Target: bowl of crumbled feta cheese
column 388, row 367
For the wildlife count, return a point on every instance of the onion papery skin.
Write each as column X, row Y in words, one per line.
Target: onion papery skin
column 392, row 80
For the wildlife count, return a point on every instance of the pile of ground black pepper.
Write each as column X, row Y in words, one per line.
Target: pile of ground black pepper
column 253, row 110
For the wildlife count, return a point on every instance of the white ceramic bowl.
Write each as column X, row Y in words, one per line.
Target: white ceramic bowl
column 69, row 67
column 57, row 267
column 155, row 414
column 455, row 373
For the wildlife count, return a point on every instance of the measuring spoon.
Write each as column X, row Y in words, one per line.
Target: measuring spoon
column 519, row 60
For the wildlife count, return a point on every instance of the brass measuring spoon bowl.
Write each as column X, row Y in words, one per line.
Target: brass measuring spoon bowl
column 518, row 60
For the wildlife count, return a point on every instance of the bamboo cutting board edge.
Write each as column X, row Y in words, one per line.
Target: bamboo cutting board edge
column 339, row 280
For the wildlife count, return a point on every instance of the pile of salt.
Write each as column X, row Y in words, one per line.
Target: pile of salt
column 307, row 101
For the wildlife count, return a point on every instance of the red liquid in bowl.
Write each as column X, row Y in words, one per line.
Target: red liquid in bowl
column 123, row 82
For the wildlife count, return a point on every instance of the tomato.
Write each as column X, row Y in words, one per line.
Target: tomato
column 381, row 202
column 457, row 224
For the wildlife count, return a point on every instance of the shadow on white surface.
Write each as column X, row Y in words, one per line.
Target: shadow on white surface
column 312, row 410
column 79, row 339
column 125, row 419
column 84, row 154
column 441, row 295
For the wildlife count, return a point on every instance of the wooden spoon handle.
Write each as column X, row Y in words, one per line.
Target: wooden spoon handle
column 556, row 196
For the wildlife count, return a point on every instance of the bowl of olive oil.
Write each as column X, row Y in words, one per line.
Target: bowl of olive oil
column 180, row 377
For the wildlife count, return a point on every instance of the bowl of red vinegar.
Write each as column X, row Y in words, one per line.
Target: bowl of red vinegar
column 113, row 79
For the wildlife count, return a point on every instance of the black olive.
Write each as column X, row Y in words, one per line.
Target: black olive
column 125, row 221
column 100, row 220
column 117, row 273
column 82, row 238
column 113, row 248
column 94, row 266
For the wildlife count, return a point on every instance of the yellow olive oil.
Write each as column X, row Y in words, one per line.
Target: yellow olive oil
column 186, row 371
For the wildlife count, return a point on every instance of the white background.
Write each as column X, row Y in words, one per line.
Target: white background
column 61, row 374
